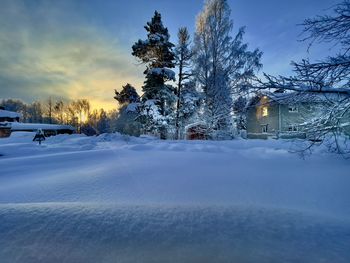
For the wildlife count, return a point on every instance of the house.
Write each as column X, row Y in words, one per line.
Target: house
column 48, row 129
column 9, row 116
column 283, row 115
column 10, row 122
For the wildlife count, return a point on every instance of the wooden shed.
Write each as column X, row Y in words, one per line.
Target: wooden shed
column 5, row 130
column 197, row 131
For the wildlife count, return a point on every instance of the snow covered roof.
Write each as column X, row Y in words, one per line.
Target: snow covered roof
column 299, row 97
column 9, row 114
column 18, row 126
column 198, row 123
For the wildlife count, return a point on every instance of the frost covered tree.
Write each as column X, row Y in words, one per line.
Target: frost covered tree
column 81, row 110
column 223, row 64
column 183, row 61
column 58, row 111
column 35, row 112
column 190, row 102
column 17, row 106
column 156, row 52
column 49, row 109
column 240, row 110
column 127, row 95
column 125, row 120
column 103, row 122
column 329, row 77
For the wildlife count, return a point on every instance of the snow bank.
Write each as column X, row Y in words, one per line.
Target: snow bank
column 94, row 199
column 103, row 233
column 118, row 168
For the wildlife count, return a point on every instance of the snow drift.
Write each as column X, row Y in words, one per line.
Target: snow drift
column 113, row 197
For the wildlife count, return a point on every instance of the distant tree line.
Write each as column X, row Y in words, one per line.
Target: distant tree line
column 77, row 113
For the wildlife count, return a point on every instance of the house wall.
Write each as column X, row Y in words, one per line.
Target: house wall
column 304, row 113
column 283, row 122
column 278, row 122
column 255, row 118
column 8, row 119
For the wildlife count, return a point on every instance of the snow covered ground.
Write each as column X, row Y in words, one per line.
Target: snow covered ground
column 114, row 198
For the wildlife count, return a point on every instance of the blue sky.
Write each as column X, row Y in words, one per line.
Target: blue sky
column 82, row 49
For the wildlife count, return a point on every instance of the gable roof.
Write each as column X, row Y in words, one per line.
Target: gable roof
column 298, row 97
column 305, row 97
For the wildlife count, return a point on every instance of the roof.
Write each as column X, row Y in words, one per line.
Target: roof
column 300, row 97
column 198, row 123
column 18, row 126
column 9, row 114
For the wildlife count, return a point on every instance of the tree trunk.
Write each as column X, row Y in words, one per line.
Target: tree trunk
column 177, row 121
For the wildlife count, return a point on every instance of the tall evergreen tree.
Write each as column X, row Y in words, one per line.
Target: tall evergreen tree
column 156, row 52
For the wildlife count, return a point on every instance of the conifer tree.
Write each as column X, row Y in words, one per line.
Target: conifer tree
column 156, row 52
column 127, row 95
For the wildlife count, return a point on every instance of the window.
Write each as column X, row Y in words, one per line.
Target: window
column 265, row 111
column 292, row 108
column 293, row 127
column 264, row 128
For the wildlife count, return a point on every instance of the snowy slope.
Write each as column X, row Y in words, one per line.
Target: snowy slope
column 94, row 199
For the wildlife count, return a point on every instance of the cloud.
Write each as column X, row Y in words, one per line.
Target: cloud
column 48, row 50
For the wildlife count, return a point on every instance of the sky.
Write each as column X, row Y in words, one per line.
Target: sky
column 72, row 49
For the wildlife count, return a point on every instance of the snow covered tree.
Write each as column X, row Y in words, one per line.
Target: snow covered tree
column 81, row 109
column 329, row 77
column 35, row 112
column 183, row 61
column 17, row 106
column 223, row 65
column 125, row 121
column 49, row 109
column 103, row 123
column 127, row 95
column 240, row 110
column 156, row 52
column 58, row 111
column 190, row 102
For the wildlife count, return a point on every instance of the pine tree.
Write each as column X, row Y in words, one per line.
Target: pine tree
column 157, row 54
column 125, row 119
column 127, row 95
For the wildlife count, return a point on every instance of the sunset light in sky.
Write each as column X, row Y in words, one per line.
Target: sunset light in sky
column 82, row 49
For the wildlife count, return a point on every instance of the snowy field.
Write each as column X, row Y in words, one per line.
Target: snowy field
column 114, row 198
